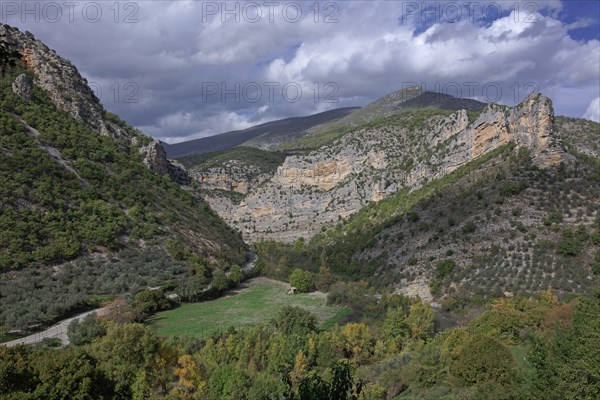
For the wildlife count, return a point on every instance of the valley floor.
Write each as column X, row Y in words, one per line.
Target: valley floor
column 256, row 301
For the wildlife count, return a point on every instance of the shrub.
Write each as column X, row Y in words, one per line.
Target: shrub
column 444, row 268
column 83, row 332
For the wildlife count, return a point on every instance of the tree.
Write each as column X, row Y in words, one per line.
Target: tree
column 8, row 57
column 301, row 368
column 444, row 268
column 324, row 279
column 80, row 333
column 219, row 281
column 267, row 387
column 420, row 320
column 596, row 264
column 574, row 356
column 69, row 374
column 228, row 383
column 295, row 321
column 124, row 351
column 177, row 250
column 302, row 280
column 235, row 275
column 119, row 311
column 341, row 386
column 190, row 384
column 150, row 301
column 483, row 359
column 568, row 245
column 16, row 375
column 358, row 341
column 395, row 328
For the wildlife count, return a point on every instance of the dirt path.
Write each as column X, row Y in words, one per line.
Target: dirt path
column 58, row 331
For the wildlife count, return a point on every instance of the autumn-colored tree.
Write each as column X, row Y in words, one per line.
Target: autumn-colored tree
column 190, row 384
column 301, row 368
column 420, row 320
column 118, row 311
column 358, row 341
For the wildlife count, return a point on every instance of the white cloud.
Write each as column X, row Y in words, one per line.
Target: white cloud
column 593, row 110
column 368, row 52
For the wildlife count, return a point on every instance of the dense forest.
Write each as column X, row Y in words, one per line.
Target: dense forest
column 521, row 348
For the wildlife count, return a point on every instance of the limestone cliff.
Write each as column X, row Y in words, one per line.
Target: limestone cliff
column 311, row 192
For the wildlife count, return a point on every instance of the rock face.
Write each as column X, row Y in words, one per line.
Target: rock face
column 155, row 158
column 23, row 86
column 70, row 92
column 311, row 192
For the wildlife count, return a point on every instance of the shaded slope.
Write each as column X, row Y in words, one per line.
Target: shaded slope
column 265, row 135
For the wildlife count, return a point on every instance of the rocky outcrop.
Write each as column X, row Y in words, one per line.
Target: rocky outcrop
column 23, row 87
column 314, row 191
column 155, row 158
column 67, row 89
column 232, row 175
column 70, row 92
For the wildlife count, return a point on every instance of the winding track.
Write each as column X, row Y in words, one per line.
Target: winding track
column 59, row 330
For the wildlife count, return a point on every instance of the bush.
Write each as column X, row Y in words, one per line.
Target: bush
column 83, row 332
column 444, row 268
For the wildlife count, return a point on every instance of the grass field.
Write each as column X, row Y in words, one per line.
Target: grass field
column 258, row 301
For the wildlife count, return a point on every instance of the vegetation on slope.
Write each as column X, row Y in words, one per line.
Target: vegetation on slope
column 264, row 161
column 412, row 118
column 69, row 191
column 507, row 227
column 337, row 246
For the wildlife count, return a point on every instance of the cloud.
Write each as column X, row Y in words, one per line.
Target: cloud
column 351, row 52
column 593, row 110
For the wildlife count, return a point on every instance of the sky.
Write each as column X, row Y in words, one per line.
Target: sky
column 181, row 70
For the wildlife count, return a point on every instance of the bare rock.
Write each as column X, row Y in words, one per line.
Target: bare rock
column 155, row 158
column 23, row 87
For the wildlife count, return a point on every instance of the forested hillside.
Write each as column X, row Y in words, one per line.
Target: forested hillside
column 68, row 192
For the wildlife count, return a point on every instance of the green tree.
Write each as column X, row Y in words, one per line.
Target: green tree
column 341, row 386
column 420, row 320
column 395, row 327
column 123, row 352
column 82, row 332
column 574, row 354
column 150, row 301
column 444, row 268
column 324, row 279
column 235, row 275
column 219, row 280
column 228, row 383
column 568, row 245
column 483, row 359
column 295, row 321
column 69, row 374
column 267, row 387
column 302, row 280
